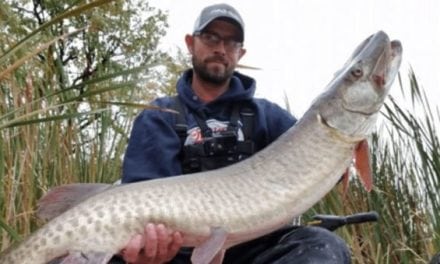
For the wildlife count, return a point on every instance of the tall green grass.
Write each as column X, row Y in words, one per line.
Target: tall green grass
column 41, row 148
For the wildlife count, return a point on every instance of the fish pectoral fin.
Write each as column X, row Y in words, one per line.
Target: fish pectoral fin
column 211, row 251
column 363, row 166
column 62, row 198
column 86, row 258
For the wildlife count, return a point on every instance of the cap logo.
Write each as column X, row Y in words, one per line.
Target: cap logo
column 225, row 12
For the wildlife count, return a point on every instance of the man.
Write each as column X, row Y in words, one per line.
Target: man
column 220, row 123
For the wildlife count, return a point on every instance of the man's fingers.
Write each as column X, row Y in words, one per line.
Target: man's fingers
column 159, row 245
column 163, row 240
column 174, row 246
column 151, row 241
column 131, row 251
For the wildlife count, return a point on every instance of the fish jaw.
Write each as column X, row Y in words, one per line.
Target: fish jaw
column 354, row 97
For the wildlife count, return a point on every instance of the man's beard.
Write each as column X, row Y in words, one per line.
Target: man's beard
column 201, row 69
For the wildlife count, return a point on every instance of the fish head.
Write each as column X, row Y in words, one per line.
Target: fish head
column 355, row 95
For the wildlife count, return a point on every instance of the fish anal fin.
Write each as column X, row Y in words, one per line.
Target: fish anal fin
column 363, row 166
column 62, row 198
column 211, row 251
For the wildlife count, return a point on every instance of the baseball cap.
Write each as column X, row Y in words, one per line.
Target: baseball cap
column 222, row 11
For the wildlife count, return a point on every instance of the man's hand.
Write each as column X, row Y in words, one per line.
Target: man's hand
column 156, row 245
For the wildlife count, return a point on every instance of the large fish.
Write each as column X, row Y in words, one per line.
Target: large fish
column 218, row 209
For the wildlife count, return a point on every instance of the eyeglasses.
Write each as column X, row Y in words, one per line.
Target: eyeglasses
column 211, row 39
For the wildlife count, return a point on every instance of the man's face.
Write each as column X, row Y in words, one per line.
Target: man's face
column 216, row 51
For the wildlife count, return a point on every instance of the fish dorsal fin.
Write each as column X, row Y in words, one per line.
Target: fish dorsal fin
column 62, row 198
column 363, row 166
column 211, row 249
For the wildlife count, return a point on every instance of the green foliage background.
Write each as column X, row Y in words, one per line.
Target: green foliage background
column 73, row 74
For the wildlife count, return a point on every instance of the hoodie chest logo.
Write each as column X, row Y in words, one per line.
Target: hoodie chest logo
column 194, row 135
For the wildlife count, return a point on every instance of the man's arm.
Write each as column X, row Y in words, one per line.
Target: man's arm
column 153, row 148
column 272, row 122
column 278, row 120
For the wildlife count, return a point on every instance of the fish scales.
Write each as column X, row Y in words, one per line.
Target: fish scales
column 247, row 199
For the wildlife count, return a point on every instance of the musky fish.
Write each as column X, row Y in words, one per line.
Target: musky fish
column 217, row 209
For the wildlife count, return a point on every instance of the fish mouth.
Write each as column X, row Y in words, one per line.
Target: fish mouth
column 383, row 71
column 377, row 54
column 371, row 70
column 396, row 59
column 374, row 57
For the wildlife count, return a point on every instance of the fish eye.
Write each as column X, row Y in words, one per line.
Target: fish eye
column 357, row 72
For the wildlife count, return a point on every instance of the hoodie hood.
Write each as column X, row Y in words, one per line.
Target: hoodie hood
column 241, row 88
